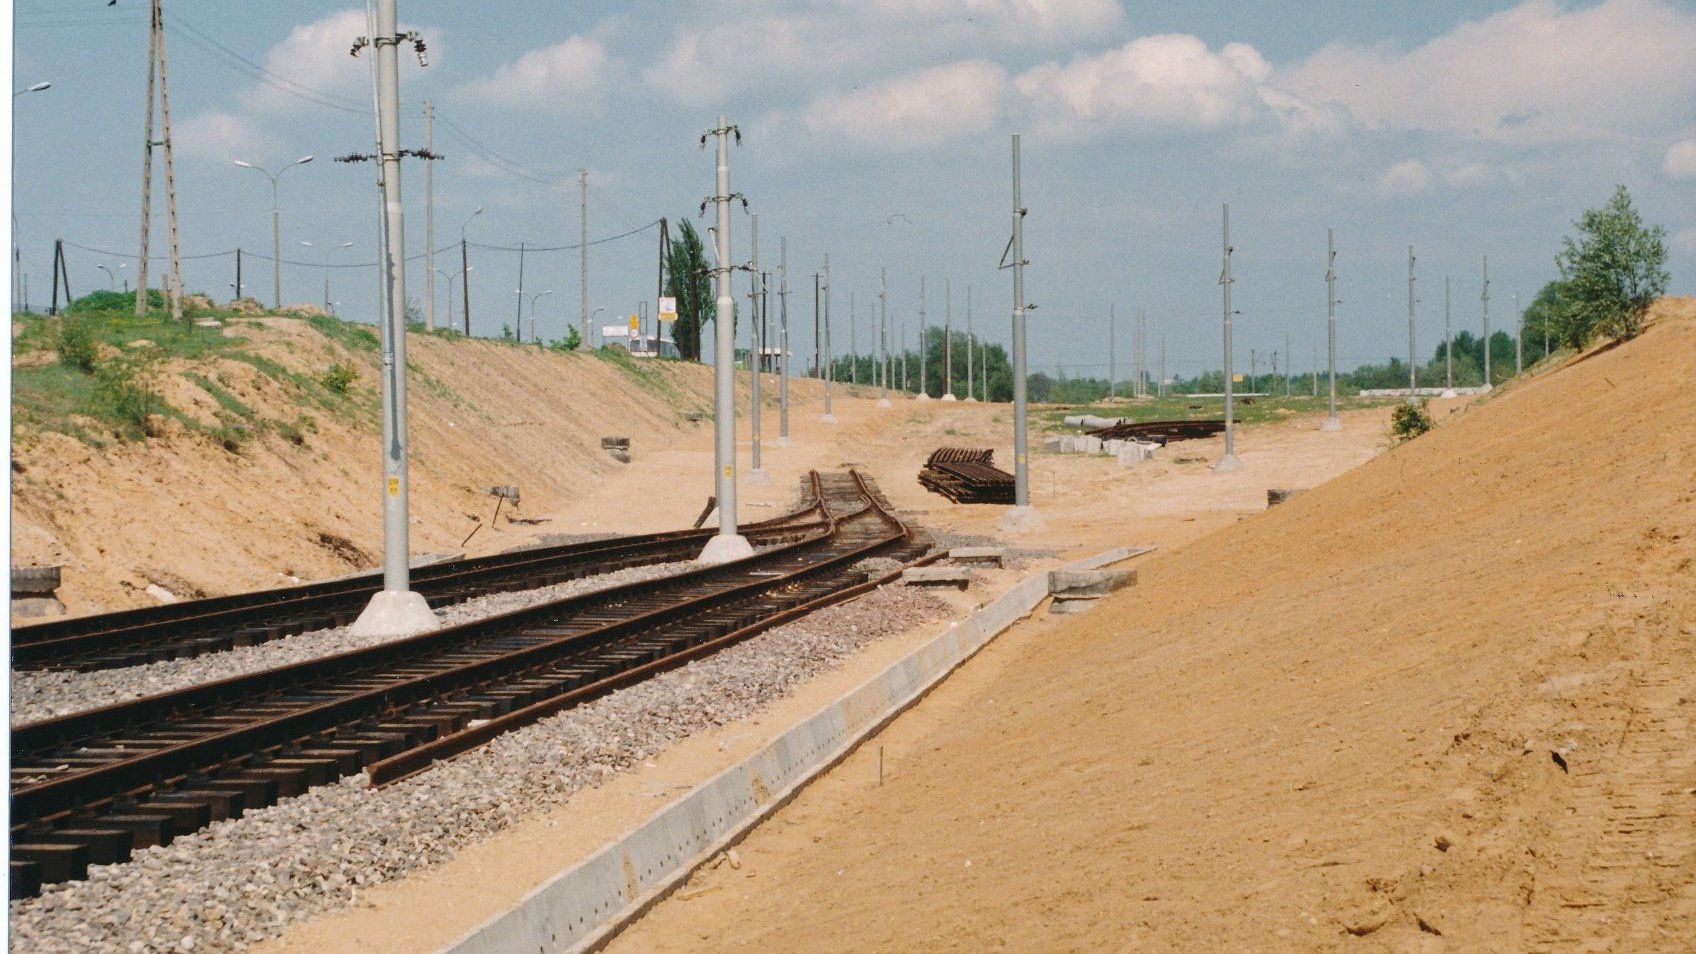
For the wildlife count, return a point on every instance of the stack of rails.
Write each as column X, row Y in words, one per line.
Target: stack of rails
column 1159, row 432
column 92, row 787
column 965, row 475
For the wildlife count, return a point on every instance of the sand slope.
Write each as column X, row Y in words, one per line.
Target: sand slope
column 1443, row 703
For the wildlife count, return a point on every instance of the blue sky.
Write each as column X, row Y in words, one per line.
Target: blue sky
column 878, row 131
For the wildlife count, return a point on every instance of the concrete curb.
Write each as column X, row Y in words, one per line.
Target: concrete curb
column 584, row 906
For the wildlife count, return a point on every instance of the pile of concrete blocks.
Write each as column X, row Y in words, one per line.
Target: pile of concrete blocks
column 1134, row 452
column 618, row 448
column 1075, row 591
column 35, row 591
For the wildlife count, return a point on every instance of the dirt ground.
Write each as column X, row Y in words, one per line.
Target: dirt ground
column 1332, row 724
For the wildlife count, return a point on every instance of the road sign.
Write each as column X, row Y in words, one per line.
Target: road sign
column 668, row 309
column 635, row 323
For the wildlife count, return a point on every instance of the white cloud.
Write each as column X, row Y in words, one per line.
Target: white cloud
column 1405, row 178
column 1680, row 162
column 828, row 41
column 916, row 110
column 551, row 76
column 220, row 135
column 1172, row 81
column 1537, row 73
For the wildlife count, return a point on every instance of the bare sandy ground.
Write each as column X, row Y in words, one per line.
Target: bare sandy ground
column 1331, row 724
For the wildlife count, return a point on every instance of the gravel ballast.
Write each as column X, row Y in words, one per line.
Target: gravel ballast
column 245, row 880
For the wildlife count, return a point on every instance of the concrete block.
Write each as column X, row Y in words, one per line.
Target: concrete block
column 1073, row 420
column 937, row 576
column 1090, row 445
column 35, row 580
column 608, row 443
column 1068, row 445
column 1060, row 607
column 33, row 607
column 1129, row 455
column 992, row 556
column 1075, row 584
column 1112, row 446
column 1051, row 445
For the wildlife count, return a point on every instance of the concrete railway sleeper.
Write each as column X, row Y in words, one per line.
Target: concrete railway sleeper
column 90, row 788
column 218, row 624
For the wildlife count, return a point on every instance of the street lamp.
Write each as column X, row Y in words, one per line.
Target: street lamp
column 591, row 328
column 533, row 338
column 328, row 307
column 38, row 87
column 456, row 276
column 111, row 276
column 464, row 266
column 276, row 234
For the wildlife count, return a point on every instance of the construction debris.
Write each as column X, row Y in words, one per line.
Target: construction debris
column 965, row 475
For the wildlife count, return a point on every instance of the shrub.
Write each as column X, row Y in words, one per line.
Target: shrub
column 77, row 345
column 338, row 377
column 123, row 391
column 1408, row 421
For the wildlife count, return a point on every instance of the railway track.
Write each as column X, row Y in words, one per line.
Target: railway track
column 92, row 787
column 218, row 624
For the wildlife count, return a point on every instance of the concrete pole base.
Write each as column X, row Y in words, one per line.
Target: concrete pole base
column 950, row 397
column 971, row 400
column 884, row 402
column 1229, row 464
column 724, row 548
column 758, row 476
column 1487, row 387
column 395, row 613
column 1019, row 519
column 785, row 442
column 1448, row 393
column 923, row 396
column 1331, row 424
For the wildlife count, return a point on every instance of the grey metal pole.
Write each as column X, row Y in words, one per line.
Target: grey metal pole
column 969, row 341
column 276, row 249
column 1448, row 340
column 1412, row 364
column 924, row 390
column 757, row 336
column 1289, row 362
column 1332, row 422
column 829, row 361
column 728, row 544
column 396, row 610
column 1021, row 454
column 430, row 218
column 1518, row 337
column 783, row 341
column 883, row 338
column 1487, row 384
column 1229, row 462
column 583, row 250
column 948, row 340
column 853, row 343
column 1112, row 349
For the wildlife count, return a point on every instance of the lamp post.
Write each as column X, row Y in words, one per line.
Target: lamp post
column 590, row 329
column 276, row 229
column 533, row 338
column 111, row 278
column 17, row 257
column 456, row 276
column 464, row 267
column 327, row 250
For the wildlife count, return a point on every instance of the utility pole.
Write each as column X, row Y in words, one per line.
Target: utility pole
column 948, row 340
column 583, row 259
column 883, row 338
column 1112, row 348
column 970, row 339
column 1518, row 337
column 1253, row 372
column 396, row 610
column 1313, row 364
column 1412, row 364
column 1021, row 446
column 829, row 362
column 783, row 341
column 238, row 272
column 853, row 347
column 924, row 390
column 728, row 544
column 1229, row 462
column 1487, row 384
column 156, row 66
column 756, row 335
column 1448, row 340
column 1160, row 386
column 1332, row 422
column 430, row 213
column 518, row 320
column 465, row 281
column 1289, row 362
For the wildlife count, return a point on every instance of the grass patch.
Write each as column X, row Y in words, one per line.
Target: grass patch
column 1184, row 407
column 648, row 373
column 351, row 335
column 227, row 402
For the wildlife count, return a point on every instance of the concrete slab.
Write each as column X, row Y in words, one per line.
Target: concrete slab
column 992, row 556
column 937, row 576
column 1086, row 583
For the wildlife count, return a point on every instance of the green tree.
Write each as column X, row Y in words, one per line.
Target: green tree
column 1611, row 273
column 1541, row 323
column 689, row 280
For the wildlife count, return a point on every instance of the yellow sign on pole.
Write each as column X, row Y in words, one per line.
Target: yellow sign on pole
column 635, row 323
column 668, row 309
